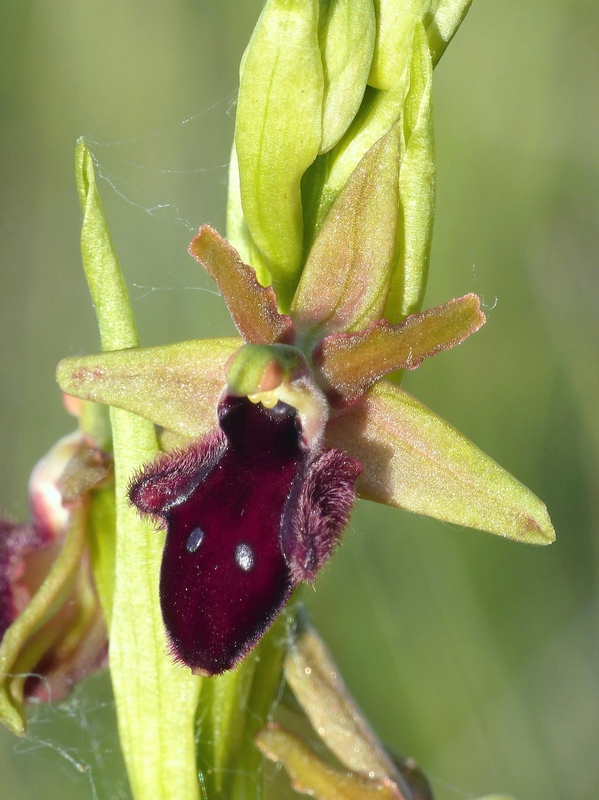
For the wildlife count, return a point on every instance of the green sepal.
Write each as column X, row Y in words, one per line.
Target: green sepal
column 281, row 82
column 414, row 460
column 395, row 23
column 346, row 34
column 345, row 281
column 378, row 113
column 155, row 698
column 238, row 234
column 176, row 386
column 394, row 32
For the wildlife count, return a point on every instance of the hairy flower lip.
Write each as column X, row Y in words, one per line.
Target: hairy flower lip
column 250, row 511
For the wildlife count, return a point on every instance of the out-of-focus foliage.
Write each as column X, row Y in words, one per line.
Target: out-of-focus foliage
column 477, row 656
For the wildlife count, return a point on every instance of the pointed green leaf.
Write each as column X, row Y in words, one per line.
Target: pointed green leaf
column 346, row 33
column 155, row 699
column 415, row 460
column 176, row 386
column 252, row 307
column 100, row 262
column 345, row 281
column 310, row 775
column 281, row 83
column 351, row 362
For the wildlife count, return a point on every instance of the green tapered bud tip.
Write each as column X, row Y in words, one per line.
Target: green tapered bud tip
column 256, row 369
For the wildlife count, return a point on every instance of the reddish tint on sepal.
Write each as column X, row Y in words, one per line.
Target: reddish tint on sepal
column 249, row 512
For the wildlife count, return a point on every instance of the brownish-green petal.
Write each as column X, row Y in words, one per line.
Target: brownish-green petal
column 310, row 775
column 351, row 362
column 252, row 307
column 175, row 386
column 345, row 281
column 415, row 460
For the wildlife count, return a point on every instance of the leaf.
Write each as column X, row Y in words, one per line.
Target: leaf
column 415, row 460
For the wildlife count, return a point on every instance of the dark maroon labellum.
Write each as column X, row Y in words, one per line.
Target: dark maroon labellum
column 249, row 512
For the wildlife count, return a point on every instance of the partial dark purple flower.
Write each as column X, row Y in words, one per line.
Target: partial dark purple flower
column 23, row 555
column 52, row 631
column 250, row 511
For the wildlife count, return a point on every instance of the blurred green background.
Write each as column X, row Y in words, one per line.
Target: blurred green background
column 477, row 656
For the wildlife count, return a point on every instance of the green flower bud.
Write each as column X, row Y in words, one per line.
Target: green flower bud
column 346, row 35
column 279, row 132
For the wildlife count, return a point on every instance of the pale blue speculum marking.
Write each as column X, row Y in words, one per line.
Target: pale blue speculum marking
column 196, row 537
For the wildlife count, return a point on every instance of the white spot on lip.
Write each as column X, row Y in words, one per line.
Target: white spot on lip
column 244, row 557
column 195, row 539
